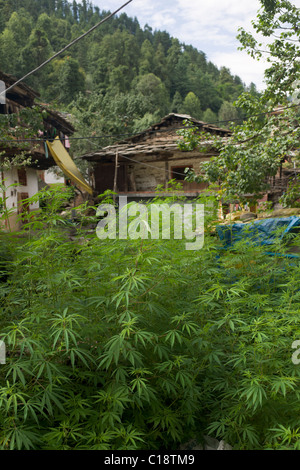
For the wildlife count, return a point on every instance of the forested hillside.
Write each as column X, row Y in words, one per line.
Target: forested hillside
column 119, row 79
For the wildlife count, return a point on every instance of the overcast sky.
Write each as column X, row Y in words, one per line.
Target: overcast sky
column 211, row 26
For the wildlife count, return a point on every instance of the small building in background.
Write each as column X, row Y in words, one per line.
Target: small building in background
column 137, row 165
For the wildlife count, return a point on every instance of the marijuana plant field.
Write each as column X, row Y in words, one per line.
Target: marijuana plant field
column 140, row 344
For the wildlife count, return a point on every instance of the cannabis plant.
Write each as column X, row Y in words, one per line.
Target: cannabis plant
column 141, row 344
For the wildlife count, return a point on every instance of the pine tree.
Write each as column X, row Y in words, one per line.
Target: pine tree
column 146, row 58
column 227, row 112
column 70, row 81
column 75, row 11
column 9, row 53
column 177, row 103
column 192, row 106
column 115, row 60
column 210, row 117
column 37, row 50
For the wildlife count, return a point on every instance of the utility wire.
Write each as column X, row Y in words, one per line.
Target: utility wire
column 65, row 48
column 106, row 136
column 147, row 164
column 128, row 135
column 90, row 137
column 115, row 135
column 152, row 166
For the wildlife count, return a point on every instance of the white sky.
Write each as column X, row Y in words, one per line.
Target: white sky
column 209, row 26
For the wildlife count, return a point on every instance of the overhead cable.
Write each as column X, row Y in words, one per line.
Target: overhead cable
column 130, row 134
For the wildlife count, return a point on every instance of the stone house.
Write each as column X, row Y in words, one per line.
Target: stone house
column 137, row 165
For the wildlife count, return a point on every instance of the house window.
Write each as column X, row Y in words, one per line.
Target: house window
column 22, row 176
column 178, row 172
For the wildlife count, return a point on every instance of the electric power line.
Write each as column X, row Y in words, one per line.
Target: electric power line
column 152, row 166
column 114, row 135
column 146, row 164
column 128, row 135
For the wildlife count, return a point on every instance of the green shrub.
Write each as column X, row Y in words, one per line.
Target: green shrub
column 140, row 344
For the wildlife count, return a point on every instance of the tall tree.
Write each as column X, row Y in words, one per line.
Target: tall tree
column 257, row 147
column 153, row 89
column 209, row 116
column 228, row 112
column 192, row 106
column 20, row 24
column 146, row 58
column 279, row 20
column 160, row 64
column 180, row 75
column 6, row 9
column 75, row 11
column 177, row 103
column 66, row 82
column 83, row 12
column 36, row 51
column 9, row 52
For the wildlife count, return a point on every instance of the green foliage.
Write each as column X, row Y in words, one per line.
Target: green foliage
column 228, row 112
column 191, row 137
column 279, row 20
column 36, row 51
column 140, row 344
column 11, row 130
column 191, row 106
column 291, row 197
column 252, row 153
column 154, row 91
column 96, row 358
column 260, row 143
column 67, row 78
column 210, row 116
column 135, row 75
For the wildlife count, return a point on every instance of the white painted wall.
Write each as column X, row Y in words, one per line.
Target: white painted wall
column 11, row 177
column 32, row 186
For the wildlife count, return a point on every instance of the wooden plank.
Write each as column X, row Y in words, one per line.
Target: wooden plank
column 126, row 176
column 166, row 173
column 116, row 175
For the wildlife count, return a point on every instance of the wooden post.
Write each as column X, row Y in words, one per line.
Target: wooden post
column 166, row 174
column 126, row 177
column 132, row 180
column 116, row 176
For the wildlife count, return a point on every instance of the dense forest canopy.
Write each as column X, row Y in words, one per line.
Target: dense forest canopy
column 121, row 78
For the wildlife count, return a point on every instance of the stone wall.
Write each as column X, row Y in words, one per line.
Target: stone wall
column 148, row 176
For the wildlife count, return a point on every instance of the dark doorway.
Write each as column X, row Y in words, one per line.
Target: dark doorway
column 104, row 177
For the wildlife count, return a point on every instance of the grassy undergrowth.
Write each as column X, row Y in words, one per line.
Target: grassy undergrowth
column 141, row 344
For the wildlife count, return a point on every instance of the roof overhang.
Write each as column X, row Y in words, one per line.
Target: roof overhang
column 161, row 138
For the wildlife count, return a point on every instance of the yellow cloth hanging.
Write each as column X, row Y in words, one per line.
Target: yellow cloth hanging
column 66, row 164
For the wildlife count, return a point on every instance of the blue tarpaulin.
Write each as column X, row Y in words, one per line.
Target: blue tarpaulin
column 260, row 232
